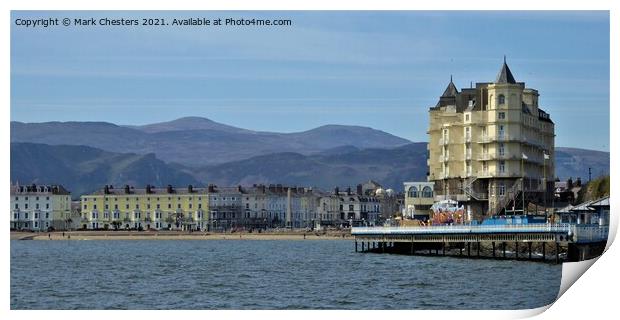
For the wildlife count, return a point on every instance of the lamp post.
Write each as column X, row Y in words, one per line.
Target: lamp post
column 545, row 182
column 523, row 157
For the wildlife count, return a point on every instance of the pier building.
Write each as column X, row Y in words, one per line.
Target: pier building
column 40, row 207
column 491, row 147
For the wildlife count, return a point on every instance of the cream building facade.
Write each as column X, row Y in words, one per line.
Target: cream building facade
column 149, row 208
column 488, row 143
column 40, row 207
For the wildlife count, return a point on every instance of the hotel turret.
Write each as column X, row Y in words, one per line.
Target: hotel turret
column 491, row 147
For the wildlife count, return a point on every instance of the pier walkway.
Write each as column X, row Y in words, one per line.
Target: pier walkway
column 580, row 241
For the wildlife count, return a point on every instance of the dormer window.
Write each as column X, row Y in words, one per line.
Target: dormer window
column 501, row 99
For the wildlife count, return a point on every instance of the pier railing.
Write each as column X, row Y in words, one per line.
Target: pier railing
column 452, row 229
column 590, row 233
column 570, row 232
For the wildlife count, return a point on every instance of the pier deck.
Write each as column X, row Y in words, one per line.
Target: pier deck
column 577, row 240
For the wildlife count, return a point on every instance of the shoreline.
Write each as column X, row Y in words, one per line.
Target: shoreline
column 157, row 235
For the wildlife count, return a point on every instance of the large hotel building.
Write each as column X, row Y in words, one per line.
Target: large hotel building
column 491, row 147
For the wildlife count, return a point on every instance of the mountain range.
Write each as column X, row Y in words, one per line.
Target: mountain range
column 84, row 156
column 196, row 141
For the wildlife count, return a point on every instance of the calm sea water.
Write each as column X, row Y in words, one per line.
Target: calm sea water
column 264, row 275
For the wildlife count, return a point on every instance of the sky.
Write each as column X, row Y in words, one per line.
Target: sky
column 377, row 69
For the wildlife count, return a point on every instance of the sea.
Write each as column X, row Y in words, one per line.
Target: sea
column 264, row 274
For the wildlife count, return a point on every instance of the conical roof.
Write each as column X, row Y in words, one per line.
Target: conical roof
column 504, row 75
column 451, row 90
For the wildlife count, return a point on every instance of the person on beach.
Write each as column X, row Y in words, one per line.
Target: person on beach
column 49, row 236
column 68, row 236
column 63, row 234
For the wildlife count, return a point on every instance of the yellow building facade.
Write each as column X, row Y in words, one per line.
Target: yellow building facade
column 149, row 208
column 491, row 146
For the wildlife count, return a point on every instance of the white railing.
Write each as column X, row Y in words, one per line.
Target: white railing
column 590, row 233
column 508, row 228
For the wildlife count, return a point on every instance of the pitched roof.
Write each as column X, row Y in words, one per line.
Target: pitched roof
column 504, row 75
column 603, row 202
column 451, row 90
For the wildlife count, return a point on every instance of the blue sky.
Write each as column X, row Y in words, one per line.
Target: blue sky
column 376, row 69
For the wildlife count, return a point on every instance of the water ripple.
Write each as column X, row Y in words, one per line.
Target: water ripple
column 263, row 275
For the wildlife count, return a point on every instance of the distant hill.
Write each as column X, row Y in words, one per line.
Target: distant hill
column 84, row 169
column 189, row 123
column 391, row 167
column 573, row 162
column 199, row 141
column 86, row 155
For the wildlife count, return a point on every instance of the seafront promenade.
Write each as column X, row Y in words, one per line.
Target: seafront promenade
column 174, row 235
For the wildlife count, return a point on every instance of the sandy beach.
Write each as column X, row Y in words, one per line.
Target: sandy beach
column 171, row 235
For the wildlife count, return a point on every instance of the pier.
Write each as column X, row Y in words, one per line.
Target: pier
column 537, row 242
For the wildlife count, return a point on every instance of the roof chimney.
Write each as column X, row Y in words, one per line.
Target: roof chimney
column 169, row 189
column 190, row 188
column 127, row 189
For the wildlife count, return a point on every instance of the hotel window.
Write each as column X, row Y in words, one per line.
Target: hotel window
column 37, row 198
column 427, row 192
column 501, row 99
column 47, row 215
column 94, row 206
column 47, row 198
column 200, row 206
column 148, row 206
column 15, row 216
column 126, row 206
column 116, row 207
column 16, row 206
column 26, row 198
column 413, row 192
column 501, row 115
column 36, row 215
column 501, row 149
column 179, row 206
column 106, row 207
column 16, row 198
column 36, row 206
column 169, row 206
column 158, row 206
column 85, row 206
column 502, row 189
column 502, row 166
column 137, row 206
column 190, row 205
column 26, row 215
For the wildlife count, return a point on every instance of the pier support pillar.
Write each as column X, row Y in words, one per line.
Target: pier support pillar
column 355, row 245
column 493, row 243
column 529, row 247
column 544, row 244
column 504, row 249
column 460, row 251
column 383, row 247
column 478, row 249
column 557, row 253
column 443, row 248
column 517, row 250
column 469, row 249
column 362, row 246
